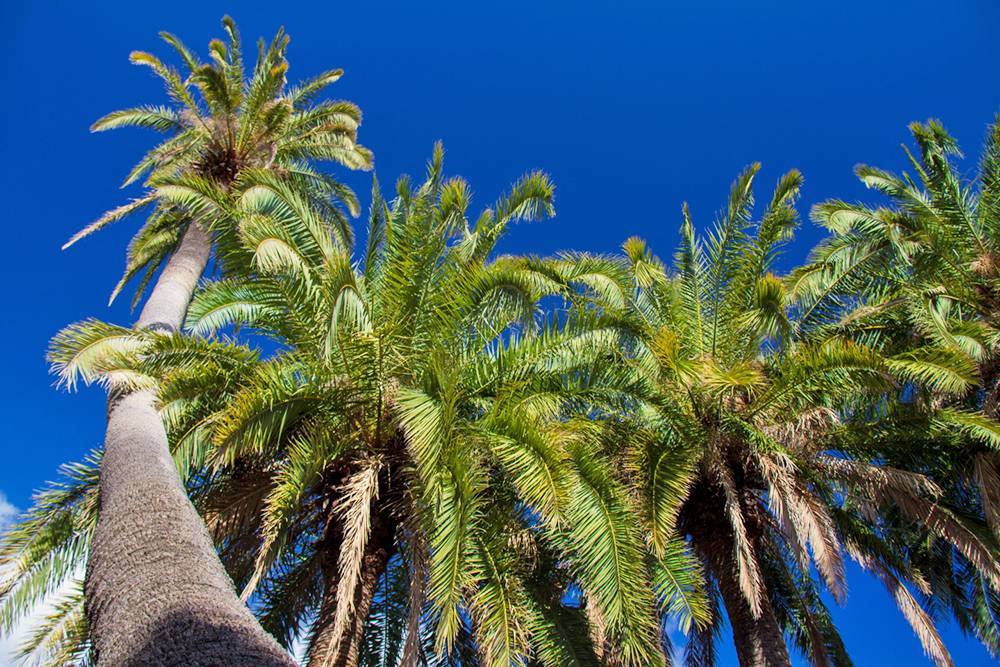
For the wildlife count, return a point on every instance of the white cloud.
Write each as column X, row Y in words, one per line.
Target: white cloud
column 7, row 512
column 8, row 643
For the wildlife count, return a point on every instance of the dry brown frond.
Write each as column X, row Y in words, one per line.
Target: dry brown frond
column 355, row 506
column 817, row 525
column 775, row 476
column 944, row 525
column 748, row 569
column 922, row 624
column 984, row 265
column 878, row 482
column 802, row 434
column 235, row 505
column 906, row 490
column 803, row 517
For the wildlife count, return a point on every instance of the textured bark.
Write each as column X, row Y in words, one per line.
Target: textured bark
column 167, row 304
column 759, row 641
column 376, row 558
column 323, row 639
column 156, row 592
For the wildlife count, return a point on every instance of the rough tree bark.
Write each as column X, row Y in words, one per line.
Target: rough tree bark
column 376, row 558
column 759, row 641
column 156, row 592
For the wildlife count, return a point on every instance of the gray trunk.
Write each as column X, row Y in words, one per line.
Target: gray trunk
column 168, row 302
column 156, row 592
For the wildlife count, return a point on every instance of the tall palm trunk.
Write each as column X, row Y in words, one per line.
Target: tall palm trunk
column 156, row 592
column 325, row 651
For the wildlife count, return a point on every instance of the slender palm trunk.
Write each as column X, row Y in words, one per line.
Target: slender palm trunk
column 325, row 652
column 759, row 641
column 156, row 592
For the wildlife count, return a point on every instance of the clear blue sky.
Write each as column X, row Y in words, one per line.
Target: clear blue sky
column 633, row 108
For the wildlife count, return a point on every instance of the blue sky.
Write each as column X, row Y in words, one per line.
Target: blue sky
column 633, row 108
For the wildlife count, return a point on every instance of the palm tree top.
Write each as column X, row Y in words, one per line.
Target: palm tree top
column 227, row 124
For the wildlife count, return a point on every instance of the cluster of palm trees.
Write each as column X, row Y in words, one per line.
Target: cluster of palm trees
column 425, row 453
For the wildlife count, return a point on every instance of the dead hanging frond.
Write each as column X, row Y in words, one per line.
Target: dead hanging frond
column 747, row 567
column 355, row 510
column 801, row 435
column 805, row 521
column 877, row 482
column 235, row 503
column 984, row 265
column 775, row 476
column 919, row 620
column 598, row 629
column 816, row 524
column 908, row 492
column 946, row 526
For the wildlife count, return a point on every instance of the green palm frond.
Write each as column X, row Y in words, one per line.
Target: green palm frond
column 93, row 351
column 47, row 547
column 609, row 556
column 680, row 586
column 227, row 133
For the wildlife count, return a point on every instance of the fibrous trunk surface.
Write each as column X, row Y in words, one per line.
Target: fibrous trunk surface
column 759, row 640
column 156, row 592
column 326, row 651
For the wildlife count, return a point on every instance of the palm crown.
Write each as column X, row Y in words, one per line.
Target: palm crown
column 735, row 442
column 429, row 461
column 917, row 279
column 413, row 429
column 231, row 133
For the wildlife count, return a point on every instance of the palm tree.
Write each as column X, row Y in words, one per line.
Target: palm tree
column 407, row 432
column 43, row 553
column 918, row 279
column 737, row 449
column 409, row 455
column 156, row 592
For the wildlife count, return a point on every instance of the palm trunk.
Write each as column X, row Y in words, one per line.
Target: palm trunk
column 325, row 651
column 156, row 592
column 759, row 641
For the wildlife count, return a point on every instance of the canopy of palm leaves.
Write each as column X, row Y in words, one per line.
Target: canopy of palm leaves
column 737, row 449
column 917, row 279
column 439, row 448
column 414, row 426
